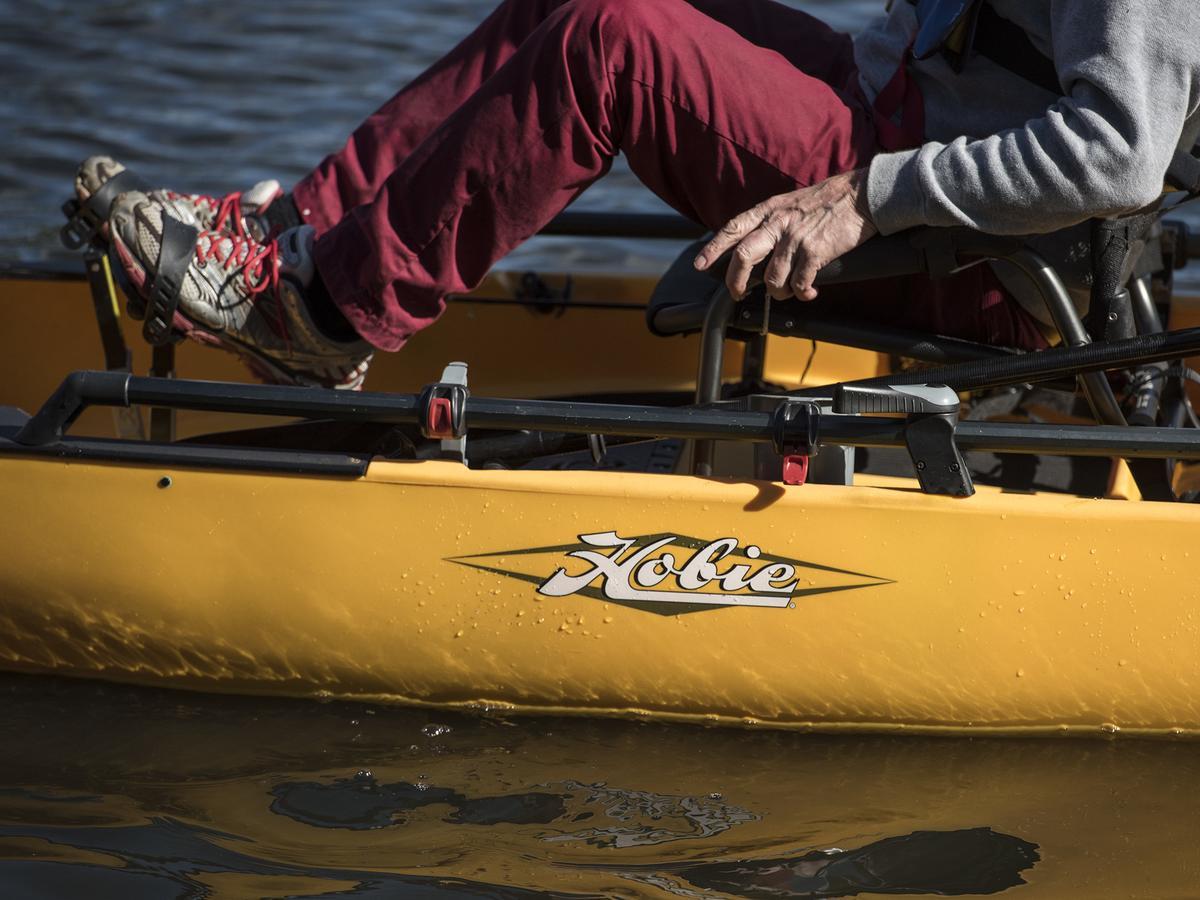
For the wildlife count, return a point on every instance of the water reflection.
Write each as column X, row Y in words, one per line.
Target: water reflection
column 362, row 802
column 971, row 862
column 157, row 793
column 167, row 858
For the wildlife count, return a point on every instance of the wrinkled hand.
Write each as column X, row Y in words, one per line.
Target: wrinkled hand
column 801, row 231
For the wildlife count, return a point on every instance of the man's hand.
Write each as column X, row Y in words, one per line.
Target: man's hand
column 801, row 232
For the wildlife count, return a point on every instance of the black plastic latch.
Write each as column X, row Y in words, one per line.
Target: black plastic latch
column 796, row 431
column 796, row 428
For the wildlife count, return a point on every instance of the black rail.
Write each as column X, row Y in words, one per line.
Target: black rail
column 83, row 389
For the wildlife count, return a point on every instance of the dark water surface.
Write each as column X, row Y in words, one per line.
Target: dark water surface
column 122, row 793
column 131, row 793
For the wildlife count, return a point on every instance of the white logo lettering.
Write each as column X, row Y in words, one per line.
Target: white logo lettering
column 628, row 572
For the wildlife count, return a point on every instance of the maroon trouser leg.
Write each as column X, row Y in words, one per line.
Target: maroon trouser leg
column 717, row 104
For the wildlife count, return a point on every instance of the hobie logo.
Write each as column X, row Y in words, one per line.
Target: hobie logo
column 662, row 572
column 668, row 574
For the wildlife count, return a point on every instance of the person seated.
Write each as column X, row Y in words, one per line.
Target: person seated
column 793, row 142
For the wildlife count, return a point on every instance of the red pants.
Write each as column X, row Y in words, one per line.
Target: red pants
column 716, row 104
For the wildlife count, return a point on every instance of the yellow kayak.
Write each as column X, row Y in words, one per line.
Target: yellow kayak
column 552, row 587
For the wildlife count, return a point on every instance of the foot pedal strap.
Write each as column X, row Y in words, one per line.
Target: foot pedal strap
column 177, row 246
column 85, row 219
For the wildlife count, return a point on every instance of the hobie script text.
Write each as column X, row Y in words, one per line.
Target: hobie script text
column 659, row 572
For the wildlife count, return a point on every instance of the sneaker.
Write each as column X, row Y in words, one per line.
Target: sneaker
column 244, row 295
column 240, row 211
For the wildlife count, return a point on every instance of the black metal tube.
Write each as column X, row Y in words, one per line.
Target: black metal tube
column 1009, row 437
column 1066, row 318
column 708, row 376
column 274, row 400
column 82, row 389
column 865, row 336
column 1149, row 379
column 1048, row 365
column 624, row 225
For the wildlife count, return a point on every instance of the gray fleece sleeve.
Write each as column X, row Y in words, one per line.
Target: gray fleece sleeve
column 1130, row 71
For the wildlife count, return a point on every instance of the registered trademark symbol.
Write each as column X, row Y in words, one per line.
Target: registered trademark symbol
column 791, row 606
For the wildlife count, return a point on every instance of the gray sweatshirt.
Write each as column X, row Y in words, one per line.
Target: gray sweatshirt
column 1007, row 157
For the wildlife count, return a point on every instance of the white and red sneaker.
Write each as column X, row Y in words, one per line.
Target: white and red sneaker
column 228, row 289
column 240, row 211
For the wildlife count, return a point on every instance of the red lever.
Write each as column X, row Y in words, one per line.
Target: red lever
column 795, row 469
column 441, row 419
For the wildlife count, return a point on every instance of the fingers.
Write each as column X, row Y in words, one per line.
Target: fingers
column 729, row 235
column 753, row 249
column 778, row 275
column 804, row 275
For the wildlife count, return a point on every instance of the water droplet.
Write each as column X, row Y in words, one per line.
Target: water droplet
column 1018, row 593
column 608, row 620
column 1062, row 557
column 715, row 795
column 1110, row 728
column 1020, row 673
column 433, row 730
column 459, row 633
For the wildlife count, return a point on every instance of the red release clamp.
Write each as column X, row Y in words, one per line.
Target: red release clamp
column 439, row 423
column 443, row 412
column 795, row 469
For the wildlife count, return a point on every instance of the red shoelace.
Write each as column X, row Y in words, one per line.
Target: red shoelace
column 225, row 208
column 259, row 263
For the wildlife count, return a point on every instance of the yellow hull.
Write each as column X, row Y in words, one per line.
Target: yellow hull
column 427, row 583
column 1002, row 614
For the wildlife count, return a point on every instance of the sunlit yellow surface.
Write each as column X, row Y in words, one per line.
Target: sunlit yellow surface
column 1001, row 613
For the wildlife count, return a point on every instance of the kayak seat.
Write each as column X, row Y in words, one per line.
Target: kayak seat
column 683, row 296
column 1129, row 254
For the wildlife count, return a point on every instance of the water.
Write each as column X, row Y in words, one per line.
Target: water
column 115, row 792
column 132, row 793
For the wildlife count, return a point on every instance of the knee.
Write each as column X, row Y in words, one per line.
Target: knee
column 629, row 16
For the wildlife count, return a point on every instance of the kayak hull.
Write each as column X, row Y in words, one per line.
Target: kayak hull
column 876, row 608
